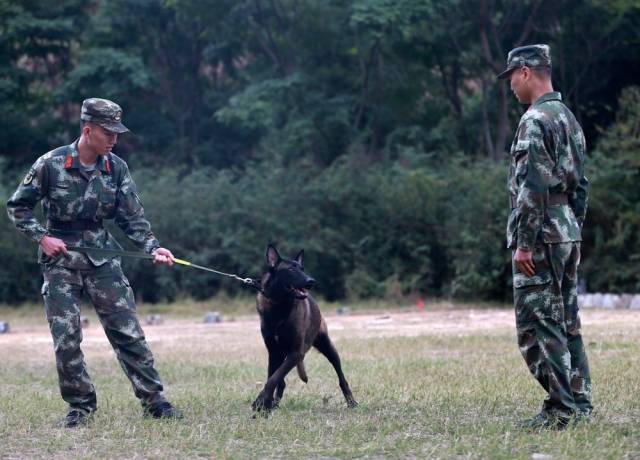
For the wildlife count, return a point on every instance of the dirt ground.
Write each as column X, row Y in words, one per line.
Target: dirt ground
column 244, row 330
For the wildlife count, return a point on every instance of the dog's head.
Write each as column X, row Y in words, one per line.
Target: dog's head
column 286, row 278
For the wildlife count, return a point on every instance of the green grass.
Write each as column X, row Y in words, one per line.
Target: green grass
column 434, row 394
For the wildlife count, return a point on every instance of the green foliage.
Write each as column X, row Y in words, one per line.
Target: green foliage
column 36, row 44
column 372, row 133
column 368, row 230
column 20, row 278
column 261, row 106
column 612, row 242
column 106, row 71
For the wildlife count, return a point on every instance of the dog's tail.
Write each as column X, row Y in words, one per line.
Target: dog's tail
column 302, row 372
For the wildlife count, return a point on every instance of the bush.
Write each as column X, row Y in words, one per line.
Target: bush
column 612, row 245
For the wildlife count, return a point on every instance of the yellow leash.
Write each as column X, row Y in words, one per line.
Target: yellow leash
column 141, row 255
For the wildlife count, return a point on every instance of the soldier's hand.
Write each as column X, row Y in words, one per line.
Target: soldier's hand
column 53, row 247
column 524, row 261
column 163, row 257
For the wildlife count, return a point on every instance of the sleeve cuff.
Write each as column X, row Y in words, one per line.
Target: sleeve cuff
column 525, row 243
column 152, row 246
column 39, row 234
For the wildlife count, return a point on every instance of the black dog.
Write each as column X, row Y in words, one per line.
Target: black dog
column 291, row 323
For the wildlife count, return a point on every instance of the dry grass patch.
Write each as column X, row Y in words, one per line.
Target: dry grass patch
column 438, row 384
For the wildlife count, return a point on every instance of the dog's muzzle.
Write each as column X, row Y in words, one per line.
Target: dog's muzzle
column 301, row 292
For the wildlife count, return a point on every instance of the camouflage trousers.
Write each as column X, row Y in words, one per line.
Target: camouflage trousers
column 548, row 328
column 110, row 293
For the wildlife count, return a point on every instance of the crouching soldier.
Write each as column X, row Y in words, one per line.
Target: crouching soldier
column 80, row 186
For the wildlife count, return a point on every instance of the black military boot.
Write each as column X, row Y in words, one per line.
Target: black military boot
column 76, row 418
column 545, row 421
column 163, row 410
column 582, row 417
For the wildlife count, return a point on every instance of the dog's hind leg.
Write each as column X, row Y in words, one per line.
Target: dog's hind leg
column 324, row 345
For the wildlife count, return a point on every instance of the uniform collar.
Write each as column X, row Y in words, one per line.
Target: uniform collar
column 72, row 161
column 551, row 96
column 103, row 163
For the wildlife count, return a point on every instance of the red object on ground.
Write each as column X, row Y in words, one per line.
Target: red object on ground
column 420, row 303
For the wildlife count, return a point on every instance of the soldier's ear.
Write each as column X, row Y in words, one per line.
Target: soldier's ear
column 273, row 258
column 85, row 128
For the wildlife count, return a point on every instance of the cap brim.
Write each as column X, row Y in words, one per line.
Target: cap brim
column 506, row 73
column 114, row 127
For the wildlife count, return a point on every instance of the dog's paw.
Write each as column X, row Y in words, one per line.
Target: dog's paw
column 260, row 414
column 262, row 404
column 351, row 403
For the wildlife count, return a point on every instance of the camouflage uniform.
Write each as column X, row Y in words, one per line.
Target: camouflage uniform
column 548, row 194
column 75, row 203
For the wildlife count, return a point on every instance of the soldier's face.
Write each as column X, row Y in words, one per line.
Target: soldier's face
column 519, row 80
column 100, row 139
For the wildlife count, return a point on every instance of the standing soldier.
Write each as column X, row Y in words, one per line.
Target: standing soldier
column 80, row 185
column 548, row 193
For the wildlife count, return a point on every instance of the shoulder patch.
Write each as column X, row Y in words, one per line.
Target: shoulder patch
column 29, row 177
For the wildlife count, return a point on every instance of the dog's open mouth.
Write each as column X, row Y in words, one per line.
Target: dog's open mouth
column 299, row 293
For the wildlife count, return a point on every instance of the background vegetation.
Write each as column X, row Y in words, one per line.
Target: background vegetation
column 370, row 132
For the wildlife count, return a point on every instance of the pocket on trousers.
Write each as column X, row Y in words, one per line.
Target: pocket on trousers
column 131, row 301
column 520, row 280
column 534, row 300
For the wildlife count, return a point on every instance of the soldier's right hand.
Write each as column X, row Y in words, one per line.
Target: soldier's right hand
column 524, row 261
column 53, row 247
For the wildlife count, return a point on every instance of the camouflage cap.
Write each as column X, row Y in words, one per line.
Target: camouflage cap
column 103, row 112
column 529, row 56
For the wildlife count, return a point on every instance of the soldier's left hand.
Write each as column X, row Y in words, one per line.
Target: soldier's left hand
column 163, row 257
column 524, row 261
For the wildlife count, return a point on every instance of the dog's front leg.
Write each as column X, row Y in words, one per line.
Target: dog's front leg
column 264, row 401
column 276, row 357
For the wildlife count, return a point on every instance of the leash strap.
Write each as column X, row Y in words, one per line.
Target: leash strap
column 141, row 255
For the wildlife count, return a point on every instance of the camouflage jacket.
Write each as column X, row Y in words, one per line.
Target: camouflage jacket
column 68, row 196
column 547, row 186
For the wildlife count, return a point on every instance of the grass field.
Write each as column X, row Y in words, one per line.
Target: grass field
column 443, row 383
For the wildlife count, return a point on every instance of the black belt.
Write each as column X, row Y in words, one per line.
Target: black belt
column 74, row 226
column 554, row 200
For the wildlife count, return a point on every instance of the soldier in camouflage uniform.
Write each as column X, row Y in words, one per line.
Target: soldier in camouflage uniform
column 80, row 185
column 548, row 195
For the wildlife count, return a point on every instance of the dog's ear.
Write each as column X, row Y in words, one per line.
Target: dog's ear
column 273, row 258
column 300, row 257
